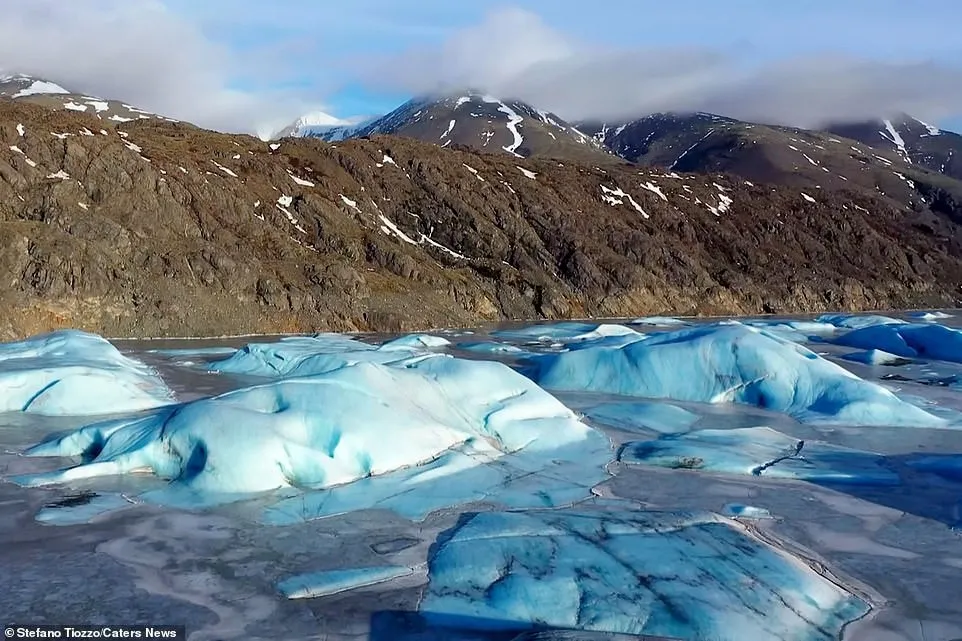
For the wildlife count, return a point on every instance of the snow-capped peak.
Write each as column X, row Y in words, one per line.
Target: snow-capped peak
column 315, row 124
column 20, row 85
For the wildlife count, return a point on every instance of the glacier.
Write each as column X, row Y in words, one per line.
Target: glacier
column 694, row 576
column 857, row 321
column 663, row 418
column 73, row 373
column 309, row 355
column 761, row 451
column 729, row 362
column 908, row 340
column 424, row 418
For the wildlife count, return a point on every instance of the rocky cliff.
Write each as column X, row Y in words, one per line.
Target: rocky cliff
column 154, row 228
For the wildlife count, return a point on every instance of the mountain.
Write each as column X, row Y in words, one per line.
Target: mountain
column 319, row 124
column 479, row 121
column 810, row 160
column 913, row 140
column 155, row 228
column 24, row 88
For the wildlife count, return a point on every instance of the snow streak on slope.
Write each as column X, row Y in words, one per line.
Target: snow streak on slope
column 896, row 139
column 513, row 121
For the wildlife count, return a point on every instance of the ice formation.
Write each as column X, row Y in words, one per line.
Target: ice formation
column 427, row 418
column 634, row 415
column 316, row 584
column 857, row 321
column 74, row 373
column 309, row 355
column 909, row 340
column 761, row 451
column 729, row 362
column 686, row 576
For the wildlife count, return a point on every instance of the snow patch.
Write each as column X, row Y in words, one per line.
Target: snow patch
column 225, row 169
column 40, row 87
column 300, row 181
column 527, row 173
column 655, row 190
column 895, row 138
column 616, row 197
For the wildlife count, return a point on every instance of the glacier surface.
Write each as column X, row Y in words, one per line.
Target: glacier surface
column 683, row 575
column 427, row 419
column 73, row 373
column 729, row 362
column 909, row 340
column 761, row 451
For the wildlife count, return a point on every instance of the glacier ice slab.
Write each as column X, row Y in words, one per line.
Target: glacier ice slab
column 424, row 419
column 688, row 576
column 73, row 373
column 909, row 340
column 730, row 362
column 761, row 451
column 658, row 417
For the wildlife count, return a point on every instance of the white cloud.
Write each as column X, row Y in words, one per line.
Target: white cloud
column 139, row 52
column 513, row 53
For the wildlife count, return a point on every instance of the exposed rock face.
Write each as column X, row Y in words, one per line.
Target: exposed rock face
column 158, row 228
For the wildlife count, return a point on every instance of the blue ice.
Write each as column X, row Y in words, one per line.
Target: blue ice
column 739, row 511
column 659, row 321
column 909, row 340
column 655, row 416
column 309, row 355
column 688, row 576
column 945, row 465
column 490, row 347
column 761, row 451
column 857, row 321
column 316, row 584
column 729, row 362
column 429, row 420
column 75, row 373
column 569, row 333
column 929, row 316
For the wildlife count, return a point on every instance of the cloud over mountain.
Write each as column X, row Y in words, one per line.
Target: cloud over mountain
column 514, row 53
column 141, row 52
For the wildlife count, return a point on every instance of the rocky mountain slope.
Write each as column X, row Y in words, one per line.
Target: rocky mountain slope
column 157, row 228
column 479, row 121
column 813, row 160
column 26, row 88
column 914, row 141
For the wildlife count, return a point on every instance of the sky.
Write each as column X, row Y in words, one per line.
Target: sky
column 256, row 65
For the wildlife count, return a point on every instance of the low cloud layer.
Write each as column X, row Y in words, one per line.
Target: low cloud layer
column 138, row 51
column 513, row 53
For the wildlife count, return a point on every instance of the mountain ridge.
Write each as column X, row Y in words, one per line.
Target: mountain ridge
column 156, row 228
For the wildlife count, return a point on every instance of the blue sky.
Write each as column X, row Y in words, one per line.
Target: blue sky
column 323, row 50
